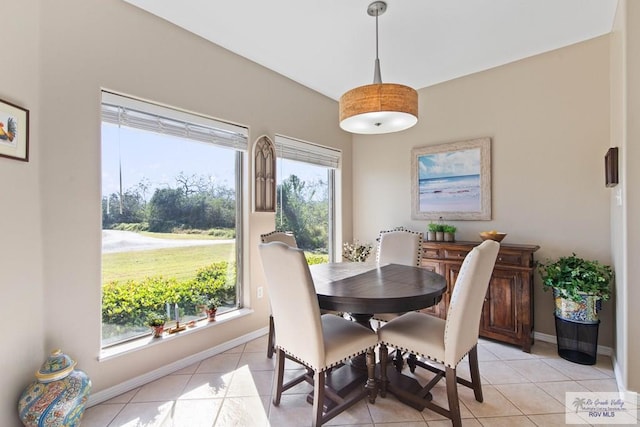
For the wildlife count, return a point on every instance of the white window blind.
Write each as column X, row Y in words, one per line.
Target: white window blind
column 125, row 111
column 293, row 149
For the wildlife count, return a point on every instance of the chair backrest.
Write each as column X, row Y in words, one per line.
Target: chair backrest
column 286, row 237
column 465, row 306
column 399, row 246
column 294, row 302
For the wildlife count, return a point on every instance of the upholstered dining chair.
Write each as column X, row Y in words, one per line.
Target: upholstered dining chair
column 398, row 246
column 317, row 342
column 446, row 341
column 287, row 238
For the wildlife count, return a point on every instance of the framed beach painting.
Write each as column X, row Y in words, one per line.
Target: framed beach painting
column 452, row 181
column 14, row 131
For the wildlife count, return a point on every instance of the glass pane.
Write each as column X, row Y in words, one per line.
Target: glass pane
column 169, row 229
column 304, row 194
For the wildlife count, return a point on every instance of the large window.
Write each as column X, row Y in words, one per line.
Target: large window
column 306, row 195
column 171, row 215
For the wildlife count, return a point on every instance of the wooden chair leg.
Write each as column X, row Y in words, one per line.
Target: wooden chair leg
column 384, row 355
column 475, row 373
column 371, row 375
column 271, row 342
column 277, row 386
column 318, row 397
column 452, row 396
column 398, row 360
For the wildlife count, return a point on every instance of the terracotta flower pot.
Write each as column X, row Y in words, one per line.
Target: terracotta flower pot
column 157, row 331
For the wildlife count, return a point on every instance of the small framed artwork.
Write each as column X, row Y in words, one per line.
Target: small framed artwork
column 14, row 131
column 452, row 181
column 611, row 167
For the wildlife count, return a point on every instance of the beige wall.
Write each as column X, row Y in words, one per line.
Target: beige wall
column 632, row 196
column 625, row 230
column 548, row 117
column 21, row 282
column 62, row 56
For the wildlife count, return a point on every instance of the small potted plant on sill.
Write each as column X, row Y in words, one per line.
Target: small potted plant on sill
column 449, row 233
column 211, row 307
column 156, row 322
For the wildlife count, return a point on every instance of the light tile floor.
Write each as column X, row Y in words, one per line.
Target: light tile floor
column 234, row 389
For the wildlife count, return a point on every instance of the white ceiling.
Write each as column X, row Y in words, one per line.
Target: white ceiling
column 329, row 45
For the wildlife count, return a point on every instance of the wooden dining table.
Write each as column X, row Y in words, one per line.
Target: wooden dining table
column 364, row 289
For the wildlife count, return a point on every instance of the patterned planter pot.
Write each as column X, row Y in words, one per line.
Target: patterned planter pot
column 58, row 396
column 585, row 311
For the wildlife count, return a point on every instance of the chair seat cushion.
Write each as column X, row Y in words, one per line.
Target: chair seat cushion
column 418, row 333
column 344, row 339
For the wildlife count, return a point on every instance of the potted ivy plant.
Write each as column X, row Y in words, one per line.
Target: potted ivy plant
column 156, row 321
column 579, row 286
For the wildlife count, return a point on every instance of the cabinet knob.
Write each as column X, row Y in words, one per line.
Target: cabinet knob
column 499, row 258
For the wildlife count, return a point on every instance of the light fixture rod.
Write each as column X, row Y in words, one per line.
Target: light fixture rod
column 376, row 9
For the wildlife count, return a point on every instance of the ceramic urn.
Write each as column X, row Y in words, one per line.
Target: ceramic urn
column 58, row 395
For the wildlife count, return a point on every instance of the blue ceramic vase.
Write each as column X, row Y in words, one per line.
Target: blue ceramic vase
column 58, row 395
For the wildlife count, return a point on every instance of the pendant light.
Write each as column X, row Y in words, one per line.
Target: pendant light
column 379, row 107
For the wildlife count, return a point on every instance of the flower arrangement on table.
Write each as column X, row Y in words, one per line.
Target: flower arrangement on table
column 356, row 252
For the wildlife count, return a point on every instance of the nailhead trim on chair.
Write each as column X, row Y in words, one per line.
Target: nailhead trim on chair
column 412, row 350
column 340, row 362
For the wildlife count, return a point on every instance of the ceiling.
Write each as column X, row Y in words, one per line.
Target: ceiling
column 329, row 45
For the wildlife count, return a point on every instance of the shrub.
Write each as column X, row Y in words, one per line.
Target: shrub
column 129, row 303
column 134, row 226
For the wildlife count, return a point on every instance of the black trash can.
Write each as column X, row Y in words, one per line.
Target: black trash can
column 577, row 342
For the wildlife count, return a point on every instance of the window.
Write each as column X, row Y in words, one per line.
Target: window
column 306, row 195
column 171, row 215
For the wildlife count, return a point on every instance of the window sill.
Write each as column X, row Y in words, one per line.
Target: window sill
column 147, row 341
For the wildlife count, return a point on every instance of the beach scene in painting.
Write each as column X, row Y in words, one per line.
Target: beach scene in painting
column 449, row 181
column 8, row 130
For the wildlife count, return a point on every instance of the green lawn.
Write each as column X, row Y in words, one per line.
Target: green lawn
column 180, row 263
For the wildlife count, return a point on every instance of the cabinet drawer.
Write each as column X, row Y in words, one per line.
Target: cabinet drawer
column 433, row 253
column 510, row 259
column 455, row 254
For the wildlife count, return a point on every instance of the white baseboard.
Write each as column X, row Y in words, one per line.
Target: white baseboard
column 111, row 392
column 603, row 350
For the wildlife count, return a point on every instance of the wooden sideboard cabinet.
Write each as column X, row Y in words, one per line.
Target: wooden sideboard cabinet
column 507, row 314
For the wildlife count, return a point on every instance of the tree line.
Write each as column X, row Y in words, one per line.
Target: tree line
column 196, row 202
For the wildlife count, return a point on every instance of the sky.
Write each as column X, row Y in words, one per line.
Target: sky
column 160, row 158
column 449, row 163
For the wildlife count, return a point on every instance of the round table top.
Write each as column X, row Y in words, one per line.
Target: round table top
column 369, row 288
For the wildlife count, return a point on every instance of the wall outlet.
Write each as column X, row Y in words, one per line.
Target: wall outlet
column 260, row 292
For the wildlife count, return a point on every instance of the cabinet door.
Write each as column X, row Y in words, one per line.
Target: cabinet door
column 500, row 314
column 440, row 309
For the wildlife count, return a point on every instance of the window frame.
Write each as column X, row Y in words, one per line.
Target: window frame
column 317, row 155
column 230, row 136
